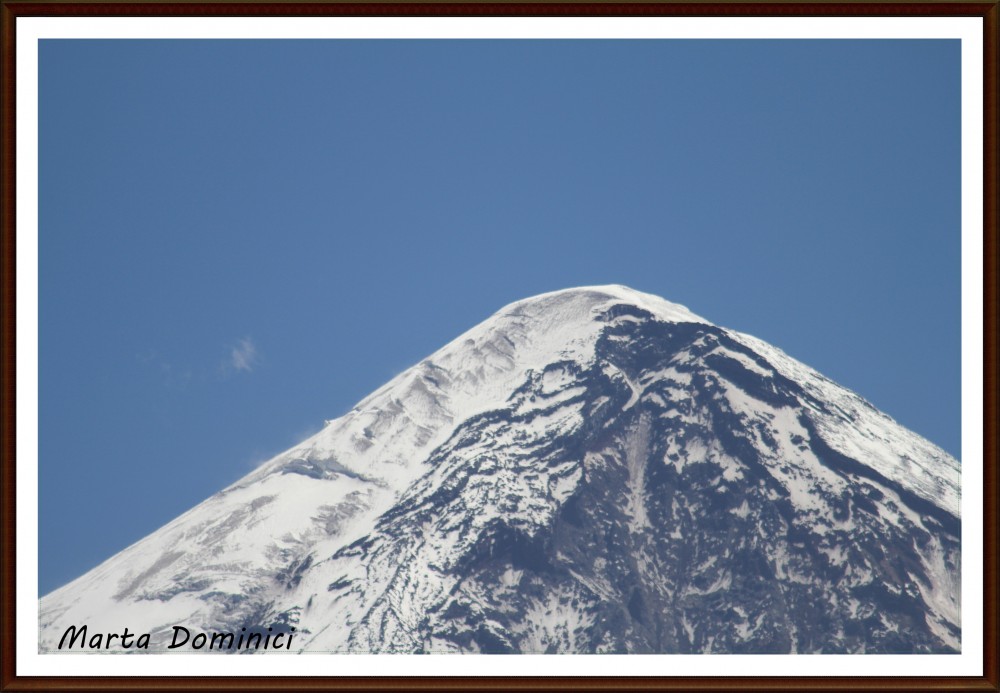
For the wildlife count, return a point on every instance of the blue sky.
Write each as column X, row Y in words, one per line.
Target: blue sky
column 240, row 239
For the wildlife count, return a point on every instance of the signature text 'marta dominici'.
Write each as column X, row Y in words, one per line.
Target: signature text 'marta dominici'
column 255, row 639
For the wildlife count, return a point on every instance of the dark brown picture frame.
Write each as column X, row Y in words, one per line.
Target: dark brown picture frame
column 12, row 10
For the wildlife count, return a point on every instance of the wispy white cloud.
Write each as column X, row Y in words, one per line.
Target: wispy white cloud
column 243, row 356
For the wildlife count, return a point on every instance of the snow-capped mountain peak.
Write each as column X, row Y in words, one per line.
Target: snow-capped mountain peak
column 593, row 469
column 417, row 408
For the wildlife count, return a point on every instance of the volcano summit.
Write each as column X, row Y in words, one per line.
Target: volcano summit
column 589, row 470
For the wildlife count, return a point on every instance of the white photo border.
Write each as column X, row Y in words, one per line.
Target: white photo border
column 30, row 30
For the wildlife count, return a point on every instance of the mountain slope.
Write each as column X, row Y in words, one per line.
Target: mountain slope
column 591, row 470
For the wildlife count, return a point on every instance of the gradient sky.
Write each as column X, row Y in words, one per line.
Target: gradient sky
column 240, row 239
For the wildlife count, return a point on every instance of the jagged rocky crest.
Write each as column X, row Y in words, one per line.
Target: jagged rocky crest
column 592, row 470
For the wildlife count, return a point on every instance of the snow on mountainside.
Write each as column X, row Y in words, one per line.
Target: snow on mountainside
column 589, row 470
